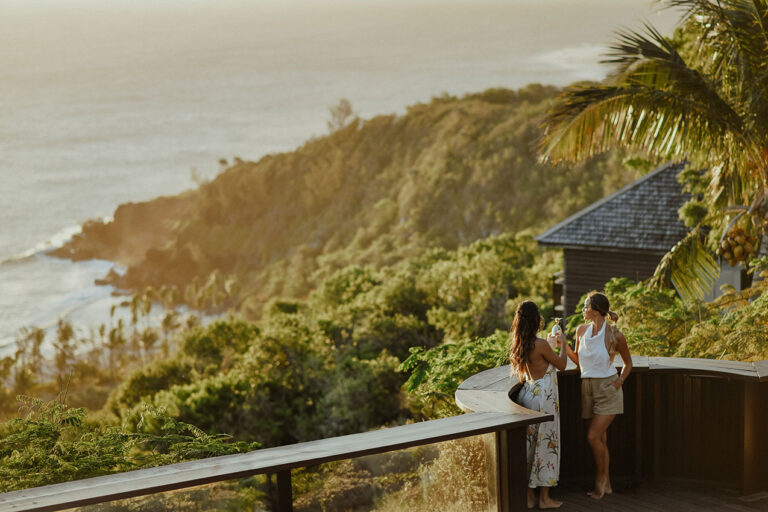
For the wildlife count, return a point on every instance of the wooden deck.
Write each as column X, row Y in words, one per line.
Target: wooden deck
column 666, row 496
column 699, row 422
column 685, row 419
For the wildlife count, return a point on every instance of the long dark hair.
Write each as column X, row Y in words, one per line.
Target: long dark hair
column 526, row 324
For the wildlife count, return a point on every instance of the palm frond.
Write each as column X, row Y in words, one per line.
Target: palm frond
column 702, row 98
column 634, row 46
column 688, row 267
column 589, row 121
column 649, row 61
column 657, row 103
column 732, row 44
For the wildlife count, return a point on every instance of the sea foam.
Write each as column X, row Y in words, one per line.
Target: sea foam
column 54, row 242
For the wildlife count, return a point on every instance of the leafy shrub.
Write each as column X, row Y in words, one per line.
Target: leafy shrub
column 142, row 385
column 360, row 396
column 53, row 443
column 216, row 346
column 659, row 323
column 435, row 374
column 457, row 479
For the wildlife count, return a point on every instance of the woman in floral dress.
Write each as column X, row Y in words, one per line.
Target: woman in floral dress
column 535, row 363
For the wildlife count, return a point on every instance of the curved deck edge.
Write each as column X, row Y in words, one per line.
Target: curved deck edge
column 488, row 391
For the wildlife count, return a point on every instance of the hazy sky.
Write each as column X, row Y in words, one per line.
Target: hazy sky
column 108, row 101
column 106, row 43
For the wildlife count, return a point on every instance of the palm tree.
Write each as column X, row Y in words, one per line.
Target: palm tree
column 702, row 98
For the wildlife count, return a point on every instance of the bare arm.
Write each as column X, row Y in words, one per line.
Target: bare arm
column 621, row 346
column 573, row 354
column 558, row 361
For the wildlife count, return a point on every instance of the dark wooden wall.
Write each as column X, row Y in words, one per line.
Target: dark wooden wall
column 755, row 453
column 576, row 461
column 587, row 270
column 674, row 426
column 697, row 426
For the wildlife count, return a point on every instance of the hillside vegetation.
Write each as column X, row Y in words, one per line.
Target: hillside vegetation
column 374, row 192
column 366, row 274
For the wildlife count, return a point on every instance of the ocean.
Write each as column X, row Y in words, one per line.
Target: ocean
column 107, row 102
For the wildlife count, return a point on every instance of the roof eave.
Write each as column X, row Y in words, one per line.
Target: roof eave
column 542, row 237
column 601, row 248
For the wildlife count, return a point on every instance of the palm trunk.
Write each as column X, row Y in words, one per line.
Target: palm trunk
column 760, row 210
column 763, row 249
column 762, row 252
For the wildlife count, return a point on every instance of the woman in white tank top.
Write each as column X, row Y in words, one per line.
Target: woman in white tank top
column 601, row 395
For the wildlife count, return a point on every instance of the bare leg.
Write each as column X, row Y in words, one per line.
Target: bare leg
column 597, row 441
column 531, row 497
column 607, row 482
column 545, row 501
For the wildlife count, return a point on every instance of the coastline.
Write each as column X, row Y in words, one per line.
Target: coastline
column 74, row 297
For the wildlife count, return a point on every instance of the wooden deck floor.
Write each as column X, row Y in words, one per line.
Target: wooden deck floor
column 660, row 497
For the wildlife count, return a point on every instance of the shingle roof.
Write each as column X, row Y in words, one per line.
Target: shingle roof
column 642, row 215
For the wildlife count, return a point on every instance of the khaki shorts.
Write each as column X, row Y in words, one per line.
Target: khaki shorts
column 598, row 396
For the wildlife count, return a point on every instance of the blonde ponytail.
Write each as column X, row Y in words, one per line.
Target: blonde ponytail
column 610, row 334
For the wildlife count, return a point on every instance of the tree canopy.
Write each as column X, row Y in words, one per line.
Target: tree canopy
column 701, row 96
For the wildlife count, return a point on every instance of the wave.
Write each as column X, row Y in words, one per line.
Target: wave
column 573, row 58
column 57, row 240
column 66, row 310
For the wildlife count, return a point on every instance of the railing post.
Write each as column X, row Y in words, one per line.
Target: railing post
column 656, row 415
column 639, row 424
column 755, row 447
column 511, row 472
column 284, row 491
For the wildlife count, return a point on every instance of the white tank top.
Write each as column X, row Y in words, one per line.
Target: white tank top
column 594, row 360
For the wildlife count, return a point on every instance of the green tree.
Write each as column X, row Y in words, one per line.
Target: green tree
column 340, row 115
column 64, row 345
column 372, row 193
column 702, row 97
column 55, row 443
column 435, row 374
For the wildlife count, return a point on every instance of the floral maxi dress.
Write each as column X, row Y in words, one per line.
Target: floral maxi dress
column 542, row 439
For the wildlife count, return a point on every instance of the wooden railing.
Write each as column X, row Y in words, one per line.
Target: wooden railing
column 694, row 419
column 687, row 418
column 510, row 459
